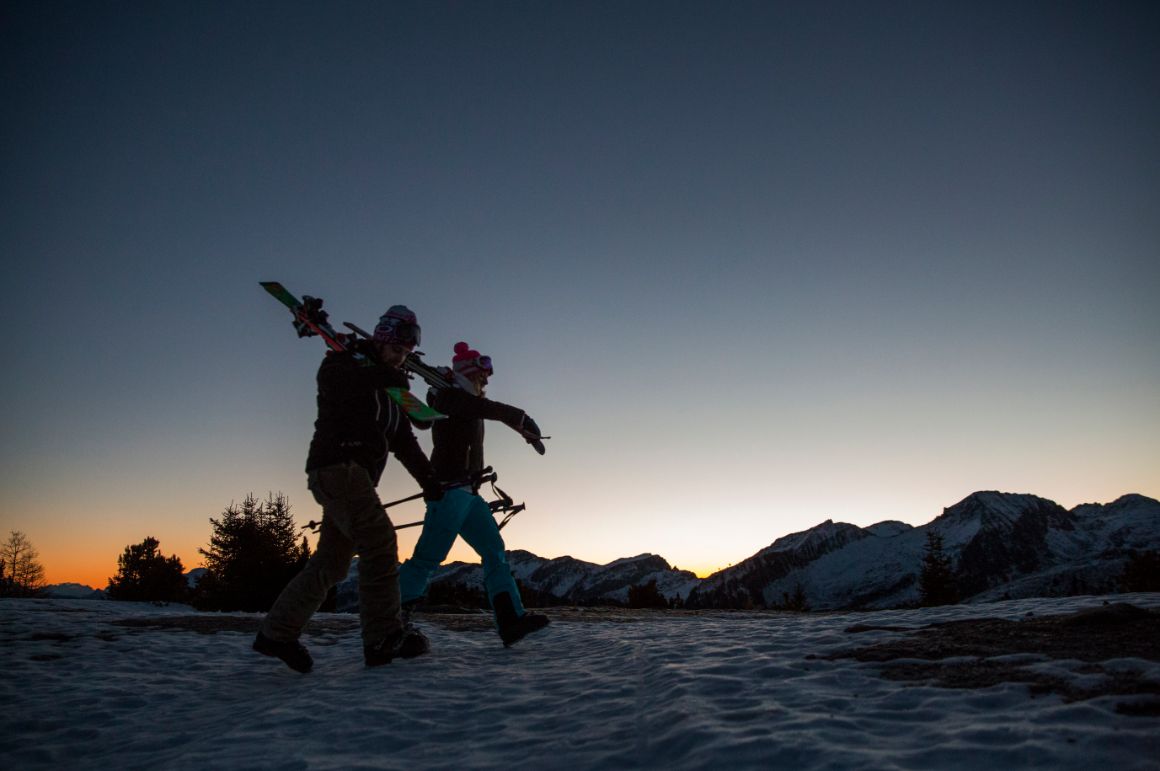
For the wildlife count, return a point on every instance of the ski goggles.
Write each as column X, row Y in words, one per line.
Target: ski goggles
column 478, row 364
column 398, row 331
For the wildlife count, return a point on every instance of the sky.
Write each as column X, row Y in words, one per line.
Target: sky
column 751, row 266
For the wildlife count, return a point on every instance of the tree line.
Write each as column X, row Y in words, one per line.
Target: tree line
column 254, row 550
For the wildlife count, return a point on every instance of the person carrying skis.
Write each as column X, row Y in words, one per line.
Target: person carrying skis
column 358, row 425
column 458, row 458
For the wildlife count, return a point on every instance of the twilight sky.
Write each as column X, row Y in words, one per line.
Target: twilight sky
column 751, row 265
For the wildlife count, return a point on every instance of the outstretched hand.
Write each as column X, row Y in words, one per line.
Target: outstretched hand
column 531, row 432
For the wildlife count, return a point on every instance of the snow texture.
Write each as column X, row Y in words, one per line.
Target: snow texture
column 89, row 684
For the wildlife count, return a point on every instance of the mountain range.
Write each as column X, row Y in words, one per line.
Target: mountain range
column 999, row 546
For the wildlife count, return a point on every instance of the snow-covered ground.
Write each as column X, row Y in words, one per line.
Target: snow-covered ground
column 107, row 685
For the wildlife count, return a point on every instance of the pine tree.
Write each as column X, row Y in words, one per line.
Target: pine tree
column 796, row 602
column 1141, row 572
column 253, row 553
column 646, row 596
column 936, row 582
column 146, row 575
column 23, row 575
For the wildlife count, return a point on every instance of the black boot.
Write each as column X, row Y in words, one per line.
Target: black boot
column 406, row 644
column 513, row 628
column 293, row 653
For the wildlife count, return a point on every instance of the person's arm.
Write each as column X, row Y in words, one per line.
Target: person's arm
column 453, row 401
column 406, row 448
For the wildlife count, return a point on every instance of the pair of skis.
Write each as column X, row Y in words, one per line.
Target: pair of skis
column 310, row 320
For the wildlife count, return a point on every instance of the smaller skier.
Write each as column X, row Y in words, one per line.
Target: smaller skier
column 458, row 458
column 358, row 425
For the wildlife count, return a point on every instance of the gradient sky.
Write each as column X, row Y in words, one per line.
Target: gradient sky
column 751, row 265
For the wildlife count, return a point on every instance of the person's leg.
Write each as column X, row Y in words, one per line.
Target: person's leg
column 378, row 559
column 440, row 529
column 482, row 534
column 480, row 531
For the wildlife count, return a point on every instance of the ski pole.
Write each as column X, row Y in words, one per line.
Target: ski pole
column 487, row 475
column 497, row 507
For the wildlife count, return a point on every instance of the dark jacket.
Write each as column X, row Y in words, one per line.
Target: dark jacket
column 458, row 440
column 358, row 421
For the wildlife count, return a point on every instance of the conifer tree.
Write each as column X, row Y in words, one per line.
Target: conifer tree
column 144, row 574
column 1141, row 573
column 797, row 601
column 936, row 582
column 646, row 596
column 253, row 553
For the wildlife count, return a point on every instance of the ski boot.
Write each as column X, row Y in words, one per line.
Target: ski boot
column 406, row 644
column 293, row 653
column 513, row 628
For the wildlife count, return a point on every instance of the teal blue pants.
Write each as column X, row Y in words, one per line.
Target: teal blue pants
column 460, row 513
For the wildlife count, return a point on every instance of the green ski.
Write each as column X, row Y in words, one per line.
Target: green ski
column 310, row 321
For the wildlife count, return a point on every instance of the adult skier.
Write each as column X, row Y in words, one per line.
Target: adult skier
column 458, row 458
column 358, row 425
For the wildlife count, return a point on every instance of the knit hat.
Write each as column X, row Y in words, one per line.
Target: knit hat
column 398, row 325
column 468, row 362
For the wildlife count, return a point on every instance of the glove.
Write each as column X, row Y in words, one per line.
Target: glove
column 528, row 426
column 432, row 490
column 532, row 433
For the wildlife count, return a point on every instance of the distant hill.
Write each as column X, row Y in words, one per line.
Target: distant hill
column 74, row 592
column 1001, row 545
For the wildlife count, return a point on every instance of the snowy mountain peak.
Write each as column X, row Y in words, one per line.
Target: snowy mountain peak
column 889, row 528
column 74, row 591
column 817, row 539
column 990, row 508
column 640, row 558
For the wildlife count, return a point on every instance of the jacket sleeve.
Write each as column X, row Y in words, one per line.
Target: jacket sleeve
column 460, row 404
column 406, row 448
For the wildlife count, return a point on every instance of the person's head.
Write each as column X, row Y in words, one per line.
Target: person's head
column 471, row 367
column 396, row 335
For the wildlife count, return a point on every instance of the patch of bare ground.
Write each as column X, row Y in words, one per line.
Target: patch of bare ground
column 968, row 653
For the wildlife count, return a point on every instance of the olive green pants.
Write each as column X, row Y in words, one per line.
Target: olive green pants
column 353, row 522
